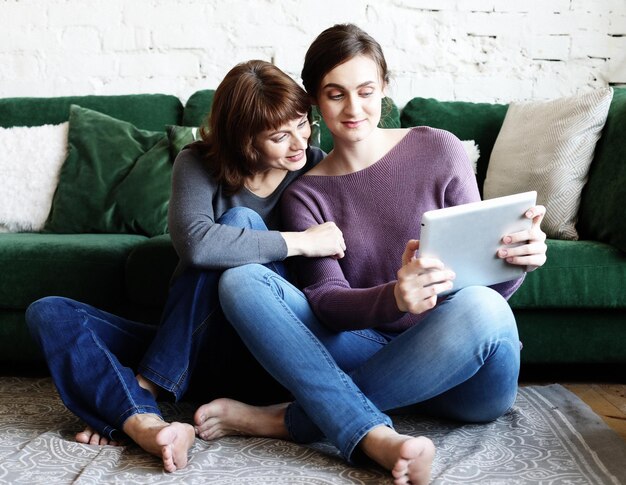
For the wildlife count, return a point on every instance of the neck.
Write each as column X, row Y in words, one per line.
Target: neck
column 352, row 156
column 264, row 183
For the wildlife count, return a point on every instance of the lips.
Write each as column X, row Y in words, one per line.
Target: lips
column 352, row 124
column 297, row 157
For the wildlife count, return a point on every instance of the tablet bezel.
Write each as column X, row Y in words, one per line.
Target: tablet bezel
column 466, row 238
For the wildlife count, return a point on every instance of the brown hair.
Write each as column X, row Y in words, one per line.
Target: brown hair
column 253, row 97
column 334, row 46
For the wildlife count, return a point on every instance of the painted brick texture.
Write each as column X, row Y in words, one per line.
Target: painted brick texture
column 474, row 50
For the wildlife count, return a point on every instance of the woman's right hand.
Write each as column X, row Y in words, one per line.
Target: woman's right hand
column 420, row 280
column 317, row 241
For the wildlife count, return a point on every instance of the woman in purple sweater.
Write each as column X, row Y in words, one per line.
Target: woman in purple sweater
column 369, row 334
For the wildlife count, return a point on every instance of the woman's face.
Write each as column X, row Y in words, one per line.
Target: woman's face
column 284, row 148
column 350, row 98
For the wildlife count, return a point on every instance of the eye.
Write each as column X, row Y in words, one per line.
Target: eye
column 334, row 95
column 280, row 138
column 303, row 123
column 366, row 94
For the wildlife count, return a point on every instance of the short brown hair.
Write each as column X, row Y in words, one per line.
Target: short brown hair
column 253, row 97
column 334, row 46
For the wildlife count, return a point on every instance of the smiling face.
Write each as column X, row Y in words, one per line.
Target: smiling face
column 285, row 147
column 350, row 99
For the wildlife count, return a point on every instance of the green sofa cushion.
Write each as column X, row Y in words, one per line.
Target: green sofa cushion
column 321, row 136
column 480, row 122
column 601, row 215
column 86, row 267
column 572, row 336
column 116, row 178
column 149, row 269
column 146, row 111
column 198, row 107
column 16, row 344
column 577, row 274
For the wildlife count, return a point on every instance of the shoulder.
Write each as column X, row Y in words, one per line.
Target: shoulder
column 427, row 134
column 188, row 156
column 305, row 190
column 190, row 167
column 441, row 145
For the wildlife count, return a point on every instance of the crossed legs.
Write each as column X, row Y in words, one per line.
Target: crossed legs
column 461, row 362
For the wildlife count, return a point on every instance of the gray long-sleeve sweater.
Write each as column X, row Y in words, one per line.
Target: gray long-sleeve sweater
column 197, row 201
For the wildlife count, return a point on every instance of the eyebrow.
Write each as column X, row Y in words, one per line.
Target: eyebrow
column 339, row 86
column 272, row 133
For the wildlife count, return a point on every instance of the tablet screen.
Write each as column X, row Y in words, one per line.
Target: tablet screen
column 467, row 237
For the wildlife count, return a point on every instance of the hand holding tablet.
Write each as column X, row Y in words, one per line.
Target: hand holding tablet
column 466, row 238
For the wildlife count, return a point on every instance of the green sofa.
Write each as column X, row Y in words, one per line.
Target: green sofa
column 573, row 310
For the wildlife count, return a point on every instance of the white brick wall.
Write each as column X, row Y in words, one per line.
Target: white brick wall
column 475, row 50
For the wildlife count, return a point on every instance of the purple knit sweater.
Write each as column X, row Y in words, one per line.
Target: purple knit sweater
column 378, row 209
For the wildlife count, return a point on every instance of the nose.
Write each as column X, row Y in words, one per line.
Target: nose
column 352, row 105
column 300, row 140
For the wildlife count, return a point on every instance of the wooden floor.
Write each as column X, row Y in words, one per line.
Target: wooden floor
column 607, row 400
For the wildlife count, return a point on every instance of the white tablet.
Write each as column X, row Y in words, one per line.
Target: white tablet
column 467, row 237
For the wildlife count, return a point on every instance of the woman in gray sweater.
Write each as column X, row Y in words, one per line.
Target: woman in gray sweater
column 222, row 214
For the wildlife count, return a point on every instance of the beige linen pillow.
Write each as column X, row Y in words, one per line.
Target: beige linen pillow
column 548, row 146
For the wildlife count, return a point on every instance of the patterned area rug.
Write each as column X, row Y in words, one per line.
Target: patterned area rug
column 549, row 437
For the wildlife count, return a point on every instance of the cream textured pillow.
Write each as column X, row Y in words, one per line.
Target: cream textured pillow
column 548, row 146
column 473, row 153
column 30, row 163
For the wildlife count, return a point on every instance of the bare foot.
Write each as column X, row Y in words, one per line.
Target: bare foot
column 409, row 459
column 169, row 441
column 90, row 437
column 148, row 385
column 224, row 417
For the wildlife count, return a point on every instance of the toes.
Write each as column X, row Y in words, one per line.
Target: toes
column 168, row 459
column 211, row 430
column 201, row 414
column 95, row 439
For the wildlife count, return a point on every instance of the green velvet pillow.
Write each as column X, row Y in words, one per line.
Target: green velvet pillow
column 480, row 122
column 198, row 107
column 179, row 137
column 116, row 178
column 321, row 136
column 601, row 214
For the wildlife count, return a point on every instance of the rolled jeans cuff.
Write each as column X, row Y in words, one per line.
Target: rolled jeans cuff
column 135, row 410
column 163, row 382
column 312, row 433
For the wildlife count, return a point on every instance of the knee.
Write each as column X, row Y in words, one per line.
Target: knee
column 42, row 313
column 485, row 308
column 236, row 282
column 242, row 217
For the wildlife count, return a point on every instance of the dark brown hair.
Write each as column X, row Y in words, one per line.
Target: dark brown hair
column 253, row 97
column 334, row 46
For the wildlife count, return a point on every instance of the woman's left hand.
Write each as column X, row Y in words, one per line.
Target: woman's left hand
column 532, row 252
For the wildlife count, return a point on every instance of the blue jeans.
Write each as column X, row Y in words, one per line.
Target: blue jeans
column 461, row 362
column 93, row 356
